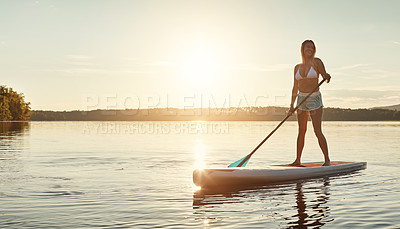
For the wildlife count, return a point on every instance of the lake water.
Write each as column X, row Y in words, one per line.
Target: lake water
column 139, row 175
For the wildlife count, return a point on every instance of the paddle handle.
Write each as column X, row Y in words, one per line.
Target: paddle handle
column 280, row 124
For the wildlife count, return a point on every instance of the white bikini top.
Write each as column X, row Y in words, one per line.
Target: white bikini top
column 311, row 74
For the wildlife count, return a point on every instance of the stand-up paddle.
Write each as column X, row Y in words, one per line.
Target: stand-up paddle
column 242, row 162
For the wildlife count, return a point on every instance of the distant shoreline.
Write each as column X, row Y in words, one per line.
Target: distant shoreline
column 212, row 114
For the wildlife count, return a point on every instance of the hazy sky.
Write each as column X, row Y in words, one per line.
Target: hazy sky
column 91, row 54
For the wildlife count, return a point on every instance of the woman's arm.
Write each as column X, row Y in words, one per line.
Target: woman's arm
column 295, row 90
column 321, row 70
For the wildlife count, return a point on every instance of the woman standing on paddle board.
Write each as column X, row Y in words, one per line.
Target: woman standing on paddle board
column 305, row 80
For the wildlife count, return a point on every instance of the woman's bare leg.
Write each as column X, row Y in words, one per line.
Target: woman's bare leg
column 316, row 117
column 302, row 118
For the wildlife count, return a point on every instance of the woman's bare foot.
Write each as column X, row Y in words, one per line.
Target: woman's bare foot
column 327, row 163
column 296, row 163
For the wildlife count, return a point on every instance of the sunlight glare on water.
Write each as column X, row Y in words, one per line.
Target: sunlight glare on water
column 199, row 154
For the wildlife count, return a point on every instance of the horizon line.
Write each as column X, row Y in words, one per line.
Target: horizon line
column 193, row 108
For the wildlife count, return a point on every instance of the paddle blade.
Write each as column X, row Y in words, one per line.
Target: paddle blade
column 236, row 163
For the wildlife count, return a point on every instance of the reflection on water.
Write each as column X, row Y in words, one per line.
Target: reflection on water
column 11, row 135
column 312, row 213
column 13, row 128
column 308, row 206
column 11, row 144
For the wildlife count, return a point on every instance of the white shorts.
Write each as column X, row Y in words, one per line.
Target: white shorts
column 312, row 103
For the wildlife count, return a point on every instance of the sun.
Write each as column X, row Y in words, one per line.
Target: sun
column 200, row 68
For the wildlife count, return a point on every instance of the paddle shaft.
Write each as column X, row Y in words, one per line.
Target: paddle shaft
column 280, row 124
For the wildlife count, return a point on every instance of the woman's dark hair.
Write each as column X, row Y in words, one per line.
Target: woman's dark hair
column 302, row 49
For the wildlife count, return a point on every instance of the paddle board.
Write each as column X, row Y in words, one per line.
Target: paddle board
column 272, row 174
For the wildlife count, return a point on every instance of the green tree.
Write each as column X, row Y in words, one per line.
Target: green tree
column 13, row 106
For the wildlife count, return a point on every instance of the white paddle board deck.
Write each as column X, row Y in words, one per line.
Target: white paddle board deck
column 276, row 173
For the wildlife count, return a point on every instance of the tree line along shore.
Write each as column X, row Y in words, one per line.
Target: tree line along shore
column 212, row 114
column 14, row 108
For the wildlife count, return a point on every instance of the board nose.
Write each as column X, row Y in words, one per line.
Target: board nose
column 196, row 177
